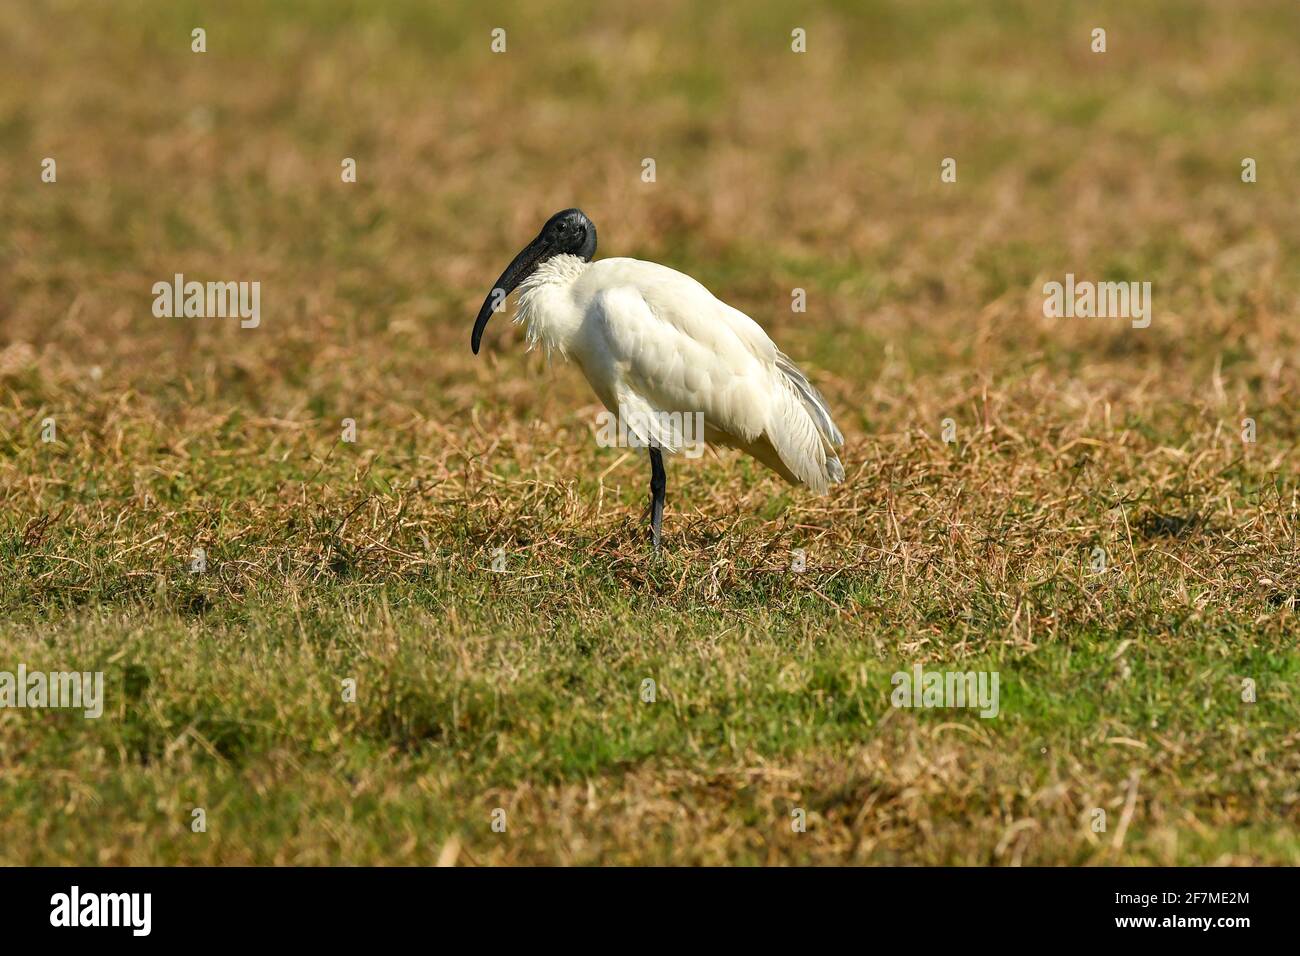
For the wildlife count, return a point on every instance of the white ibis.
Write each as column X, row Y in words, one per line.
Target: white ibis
column 656, row 345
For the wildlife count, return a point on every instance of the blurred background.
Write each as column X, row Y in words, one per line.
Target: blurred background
column 774, row 171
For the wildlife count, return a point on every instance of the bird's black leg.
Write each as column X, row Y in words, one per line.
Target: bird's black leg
column 658, row 485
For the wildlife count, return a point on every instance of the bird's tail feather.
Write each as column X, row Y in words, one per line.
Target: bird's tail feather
column 801, row 435
column 812, row 399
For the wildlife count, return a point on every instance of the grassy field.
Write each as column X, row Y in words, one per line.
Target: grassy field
column 520, row 690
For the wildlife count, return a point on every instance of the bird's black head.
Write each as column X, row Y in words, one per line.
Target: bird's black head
column 571, row 232
column 568, row 232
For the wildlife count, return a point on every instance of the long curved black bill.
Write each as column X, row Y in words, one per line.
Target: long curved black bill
column 519, row 269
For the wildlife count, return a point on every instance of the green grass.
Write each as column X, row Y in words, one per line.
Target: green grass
column 247, row 720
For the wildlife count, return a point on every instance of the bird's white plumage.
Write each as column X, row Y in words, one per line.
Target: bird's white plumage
column 652, row 340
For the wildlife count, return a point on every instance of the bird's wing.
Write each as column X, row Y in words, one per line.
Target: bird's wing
column 672, row 347
column 752, row 334
column 662, row 369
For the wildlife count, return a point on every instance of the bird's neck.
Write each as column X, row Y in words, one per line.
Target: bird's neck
column 547, row 306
